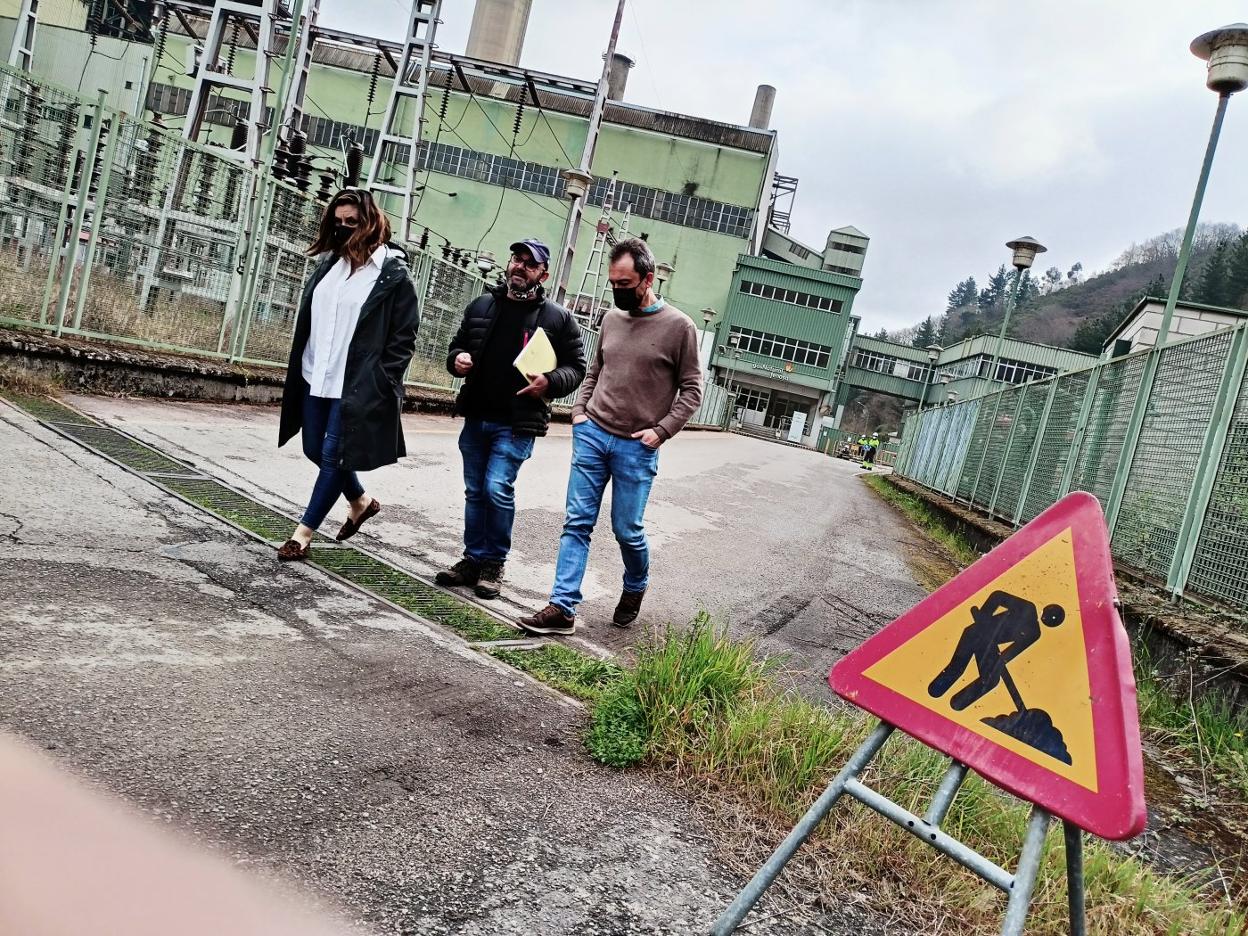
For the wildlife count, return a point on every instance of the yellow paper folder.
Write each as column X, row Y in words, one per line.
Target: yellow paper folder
column 538, row 356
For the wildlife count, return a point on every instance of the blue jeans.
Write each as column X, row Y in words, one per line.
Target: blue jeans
column 322, row 438
column 630, row 466
column 492, row 459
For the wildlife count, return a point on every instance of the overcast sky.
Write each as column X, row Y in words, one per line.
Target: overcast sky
column 941, row 128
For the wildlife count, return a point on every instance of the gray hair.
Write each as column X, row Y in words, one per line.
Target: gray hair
column 639, row 250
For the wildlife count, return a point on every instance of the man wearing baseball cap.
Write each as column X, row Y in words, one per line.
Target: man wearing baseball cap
column 503, row 411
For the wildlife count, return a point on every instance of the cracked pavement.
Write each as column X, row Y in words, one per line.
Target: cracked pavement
column 311, row 734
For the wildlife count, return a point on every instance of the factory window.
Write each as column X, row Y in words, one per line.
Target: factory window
column 844, row 271
column 751, row 399
column 791, row 296
column 848, row 248
column 782, row 348
column 1018, row 371
column 874, row 361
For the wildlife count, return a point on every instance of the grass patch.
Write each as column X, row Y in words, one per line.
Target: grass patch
column 1195, row 725
column 579, row 675
column 930, row 520
column 704, row 708
column 15, row 380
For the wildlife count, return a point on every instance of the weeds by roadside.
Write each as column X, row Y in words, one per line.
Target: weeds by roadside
column 23, row 382
column 580, row 676
column 705, row 709
column 926, row 517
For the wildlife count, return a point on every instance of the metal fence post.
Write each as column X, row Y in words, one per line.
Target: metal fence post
column 1081, row 429
column 58, row 238
column 80, row 211
column 1009, row 444
column 1211, row 449
column 1035, row 451
column 97, row 216
column 1132, row 438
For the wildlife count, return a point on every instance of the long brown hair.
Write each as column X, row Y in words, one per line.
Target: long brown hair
column 372, row 232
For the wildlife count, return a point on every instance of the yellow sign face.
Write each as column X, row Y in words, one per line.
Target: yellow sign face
column 1010, row 665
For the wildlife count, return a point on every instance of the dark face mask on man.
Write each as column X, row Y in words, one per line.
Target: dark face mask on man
column 626, row 298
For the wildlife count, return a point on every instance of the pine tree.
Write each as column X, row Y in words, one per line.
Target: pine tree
column 1214, row 286
column 1237, row 274
column 925, row 333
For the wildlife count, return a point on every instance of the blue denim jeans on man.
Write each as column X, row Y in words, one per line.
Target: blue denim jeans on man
column 492, row 459
column 322, row 439
column 630, row 465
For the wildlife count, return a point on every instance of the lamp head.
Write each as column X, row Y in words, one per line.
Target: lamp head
column 1025, row 250
column 1226, row 51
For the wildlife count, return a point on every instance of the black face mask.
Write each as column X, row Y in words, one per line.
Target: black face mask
column 341, row 234
column 626, row 299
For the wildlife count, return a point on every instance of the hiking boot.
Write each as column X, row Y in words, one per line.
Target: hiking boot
column 629, row 607
column 550, row 620
column 465, row 572
column 490, row 580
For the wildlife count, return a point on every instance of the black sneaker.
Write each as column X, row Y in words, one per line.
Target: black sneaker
column 465, row 572
column 550, row 620
column 629, row 607
column 490, row 580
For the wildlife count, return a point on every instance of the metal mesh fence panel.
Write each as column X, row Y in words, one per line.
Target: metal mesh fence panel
column 284, row 268
column 1219, row 567
column 167, row 245
column 445, row 291
column 1017, row 457
column 979, row 437
column 1097, row 460
column 1000, row 413
column 955, row 445
column 1055, row 444
column 1161, row 473
column 931, row 426
column 41, row 135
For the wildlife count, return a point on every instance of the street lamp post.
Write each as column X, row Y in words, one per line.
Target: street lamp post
column 1226, row 51
column 933, row 352
column 1025, row 250
column 662, row 273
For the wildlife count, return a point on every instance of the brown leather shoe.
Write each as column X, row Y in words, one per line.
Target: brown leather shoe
column 291, row 551
column 550, row 620
column 351, row 527
column 629, row 607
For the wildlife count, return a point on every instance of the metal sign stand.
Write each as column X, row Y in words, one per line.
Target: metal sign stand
column 1017, row 886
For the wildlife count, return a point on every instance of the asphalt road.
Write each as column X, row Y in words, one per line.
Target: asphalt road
column 312, row 734
column 779, row 542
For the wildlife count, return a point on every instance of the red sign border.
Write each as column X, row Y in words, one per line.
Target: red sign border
column 1117, row 810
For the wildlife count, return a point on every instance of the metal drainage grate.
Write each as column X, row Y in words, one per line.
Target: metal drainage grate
column 234, row 507
column 49, row 410
column 122, row 448
column 412, row 594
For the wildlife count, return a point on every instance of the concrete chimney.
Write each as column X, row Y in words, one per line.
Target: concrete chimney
column 617, row 78
column 497, row 31
column 764, row 100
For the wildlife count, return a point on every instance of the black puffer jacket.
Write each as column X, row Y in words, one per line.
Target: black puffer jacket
column 530, row 416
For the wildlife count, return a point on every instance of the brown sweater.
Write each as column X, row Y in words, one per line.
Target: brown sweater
column 645, row 374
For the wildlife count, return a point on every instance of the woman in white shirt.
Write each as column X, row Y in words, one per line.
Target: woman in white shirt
column 354, row 337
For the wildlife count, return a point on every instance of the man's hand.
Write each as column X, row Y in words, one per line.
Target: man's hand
column 649, row 438
column 579, row 418
column 463, row 363
column 537, row 386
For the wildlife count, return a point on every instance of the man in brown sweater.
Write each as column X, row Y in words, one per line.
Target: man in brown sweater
column 643, row 385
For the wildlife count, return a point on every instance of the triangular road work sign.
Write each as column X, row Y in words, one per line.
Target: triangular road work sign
column 1020, row 668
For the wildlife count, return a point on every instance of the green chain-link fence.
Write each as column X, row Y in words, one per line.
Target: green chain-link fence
column 1160, row 437
column 114, row 228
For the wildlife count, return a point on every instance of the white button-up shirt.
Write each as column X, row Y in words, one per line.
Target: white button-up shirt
column 336, row 304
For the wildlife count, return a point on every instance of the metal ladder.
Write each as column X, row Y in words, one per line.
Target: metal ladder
column 387, row 174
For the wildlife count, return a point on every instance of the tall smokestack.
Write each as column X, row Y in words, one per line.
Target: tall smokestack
column 764, row 100
column 617, row 79
column 497, row 31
